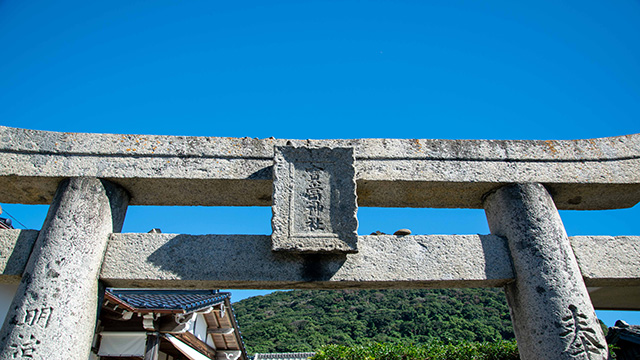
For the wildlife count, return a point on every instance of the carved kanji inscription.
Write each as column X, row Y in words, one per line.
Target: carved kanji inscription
column 36, row 317
column 314, row 200
column 583, row 339
column 25, row 348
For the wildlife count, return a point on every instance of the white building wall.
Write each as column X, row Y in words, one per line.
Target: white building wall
column 122, row 343
column 200, row 330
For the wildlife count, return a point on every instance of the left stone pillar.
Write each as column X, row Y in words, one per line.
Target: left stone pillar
column 53, row 314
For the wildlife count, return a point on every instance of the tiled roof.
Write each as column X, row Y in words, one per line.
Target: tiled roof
column 187, row 300
column 285, row 356
column 624, row 331
column 626, row 339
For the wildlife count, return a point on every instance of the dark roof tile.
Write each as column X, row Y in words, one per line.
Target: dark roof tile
column 169, row 299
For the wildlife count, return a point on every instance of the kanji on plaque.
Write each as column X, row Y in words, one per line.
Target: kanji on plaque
column 314, row 200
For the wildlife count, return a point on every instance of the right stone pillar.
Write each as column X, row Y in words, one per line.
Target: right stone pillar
column 552, row 315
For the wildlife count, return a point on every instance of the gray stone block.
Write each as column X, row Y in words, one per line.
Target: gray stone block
column 247, row 261
column 176, row 170
column 608, row 260
column 314, row 200
column 139, row 260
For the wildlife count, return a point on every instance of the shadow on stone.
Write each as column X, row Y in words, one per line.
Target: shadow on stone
column 223, row 260
column 19, row 253
column 496, row 256
column 262, row 174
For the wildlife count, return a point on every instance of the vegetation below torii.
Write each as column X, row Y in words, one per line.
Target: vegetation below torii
column 498, row 350
column 299, row 320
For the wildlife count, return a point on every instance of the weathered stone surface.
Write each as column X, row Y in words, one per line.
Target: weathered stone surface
column 246, row 261
column 53, row 313
column 553, row 317
column 610, row 267
column 175, row 170
column 588, row 251
column 608, row 260
column 15, row 248
column 550, row 307
column 314, row 200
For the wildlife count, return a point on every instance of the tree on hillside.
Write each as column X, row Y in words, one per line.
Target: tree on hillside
column 305, row 320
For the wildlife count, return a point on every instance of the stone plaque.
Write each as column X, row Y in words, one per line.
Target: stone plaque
column 314, row 200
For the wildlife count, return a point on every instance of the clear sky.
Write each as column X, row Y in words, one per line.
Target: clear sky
column 325, row 69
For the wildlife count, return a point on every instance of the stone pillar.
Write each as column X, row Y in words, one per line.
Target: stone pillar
column 53, row 314
column 553, row 317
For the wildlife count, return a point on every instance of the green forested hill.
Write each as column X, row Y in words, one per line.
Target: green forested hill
column 305, row 320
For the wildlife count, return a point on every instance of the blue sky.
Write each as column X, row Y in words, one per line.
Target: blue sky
column 325, row 69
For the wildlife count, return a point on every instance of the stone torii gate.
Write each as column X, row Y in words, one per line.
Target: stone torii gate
column 315, row 187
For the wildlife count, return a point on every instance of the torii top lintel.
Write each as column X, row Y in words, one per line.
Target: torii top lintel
column 584, row 174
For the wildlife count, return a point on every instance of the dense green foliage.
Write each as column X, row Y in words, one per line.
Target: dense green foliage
column 498, row 350
column 306, row 320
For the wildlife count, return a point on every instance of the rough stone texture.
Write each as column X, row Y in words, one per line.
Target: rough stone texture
column 175, row 170
column 15, row 248
column 553, row 317
column 314, row 200
column 608, row 260
column 606, row 291
column 53, row 314
column 246, row 261
column 610, row 267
